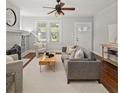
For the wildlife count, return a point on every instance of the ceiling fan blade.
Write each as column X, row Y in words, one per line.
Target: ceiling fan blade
column 62, row 4
column 49, row 7
column 68, row 8
column 51, row 12
column 62, row 12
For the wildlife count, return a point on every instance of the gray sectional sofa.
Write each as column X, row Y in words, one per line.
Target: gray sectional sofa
column 87, row 68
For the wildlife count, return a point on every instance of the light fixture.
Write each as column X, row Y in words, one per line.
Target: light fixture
column 85, row 28
column 58, row 14
column 82, row 28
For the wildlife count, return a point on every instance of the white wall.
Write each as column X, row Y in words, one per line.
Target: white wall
column 17, row 11
column 69, row 28
column 67, row 23
column 101, row 21
column 13, row 38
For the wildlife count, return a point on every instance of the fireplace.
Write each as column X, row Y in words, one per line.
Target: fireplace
column 16, row 49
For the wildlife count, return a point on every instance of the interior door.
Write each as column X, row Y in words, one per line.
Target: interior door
column 83, row 35
column 54, row 35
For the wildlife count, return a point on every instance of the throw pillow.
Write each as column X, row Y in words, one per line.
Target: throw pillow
column 70, row 50
column 72, row 54
column 87, row 53
column 64, row 49
column 79, row 54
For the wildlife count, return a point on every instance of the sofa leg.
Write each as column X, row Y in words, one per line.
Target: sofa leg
column 68, row 81
column 62, row 61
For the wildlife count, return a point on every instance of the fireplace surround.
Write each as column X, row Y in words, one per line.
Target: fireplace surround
column 16, row 49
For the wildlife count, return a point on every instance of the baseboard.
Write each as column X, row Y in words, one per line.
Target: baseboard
column 83, row 80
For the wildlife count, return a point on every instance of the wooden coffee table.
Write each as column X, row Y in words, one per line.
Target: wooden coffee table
column 48, row 61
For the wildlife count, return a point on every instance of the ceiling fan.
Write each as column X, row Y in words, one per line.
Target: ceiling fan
column 59, row 7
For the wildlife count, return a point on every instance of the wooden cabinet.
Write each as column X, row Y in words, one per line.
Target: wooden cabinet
column 109, row 76
column 109, row 67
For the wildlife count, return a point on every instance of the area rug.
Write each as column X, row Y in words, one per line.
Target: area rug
column 48, row 81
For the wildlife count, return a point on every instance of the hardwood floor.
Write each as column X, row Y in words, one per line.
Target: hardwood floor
column 30, row 55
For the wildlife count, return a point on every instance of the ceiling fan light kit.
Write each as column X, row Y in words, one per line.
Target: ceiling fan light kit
column 59, row 8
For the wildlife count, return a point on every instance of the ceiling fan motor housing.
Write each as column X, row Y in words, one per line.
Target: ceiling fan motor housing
column 58, row 8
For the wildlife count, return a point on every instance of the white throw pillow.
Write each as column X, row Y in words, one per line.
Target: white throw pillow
column 9, row 59
column 72, row 54
column 79, row 54
column 70, row 50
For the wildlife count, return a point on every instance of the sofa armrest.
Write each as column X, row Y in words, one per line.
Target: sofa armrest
column 14, row 56
column 83, row 70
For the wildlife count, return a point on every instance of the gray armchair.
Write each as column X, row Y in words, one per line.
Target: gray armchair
column 14, row 76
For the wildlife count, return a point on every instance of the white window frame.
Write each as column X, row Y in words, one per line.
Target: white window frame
column 48, row 28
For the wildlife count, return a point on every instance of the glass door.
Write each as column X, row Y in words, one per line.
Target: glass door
column 42, row 31
column 54, row 32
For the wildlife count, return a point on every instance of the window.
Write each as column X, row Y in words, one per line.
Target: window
column 42, row 31
column 48, row 31
column 54, row 32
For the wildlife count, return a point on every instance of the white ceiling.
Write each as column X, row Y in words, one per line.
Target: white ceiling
column 83, row 7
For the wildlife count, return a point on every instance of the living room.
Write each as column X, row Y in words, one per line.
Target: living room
column 34, row 33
